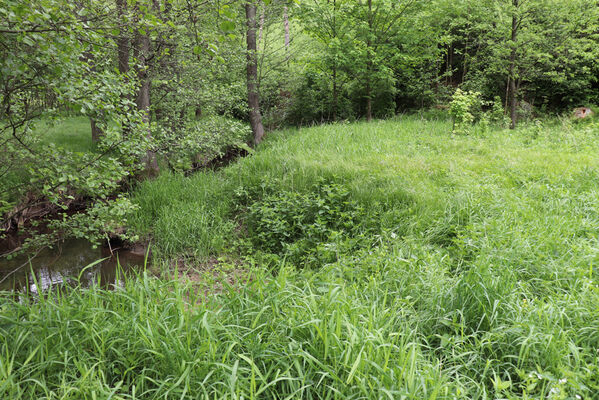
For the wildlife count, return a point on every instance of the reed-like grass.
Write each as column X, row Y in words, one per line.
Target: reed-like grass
column 479, row 284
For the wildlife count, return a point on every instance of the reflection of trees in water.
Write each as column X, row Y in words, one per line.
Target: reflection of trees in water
column 45, row 278
column 66, row 266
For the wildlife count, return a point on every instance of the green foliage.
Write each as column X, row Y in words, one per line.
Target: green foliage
column 479, row 282
column 53, row 59
column 497, row 113
column 101, row 220
column 462, row 109
column 202, row 141
column 306, row 228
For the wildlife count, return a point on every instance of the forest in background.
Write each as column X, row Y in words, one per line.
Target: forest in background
column 172, row 85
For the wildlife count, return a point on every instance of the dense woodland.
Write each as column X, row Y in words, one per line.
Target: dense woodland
column 335, row 199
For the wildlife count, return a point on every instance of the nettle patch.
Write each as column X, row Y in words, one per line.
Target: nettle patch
column 310, row 228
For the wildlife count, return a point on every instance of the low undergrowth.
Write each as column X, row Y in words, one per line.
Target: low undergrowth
column 383, row 260
column 307, row 229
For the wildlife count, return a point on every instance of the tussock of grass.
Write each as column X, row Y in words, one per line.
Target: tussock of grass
column 473, row 276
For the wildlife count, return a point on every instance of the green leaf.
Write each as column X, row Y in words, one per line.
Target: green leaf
column 227, row 26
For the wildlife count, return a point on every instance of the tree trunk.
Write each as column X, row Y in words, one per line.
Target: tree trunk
column 512, row 72
column 286, row 22
column 123, row 38
column 368, row 101
column 96, row 131
column 252, row 74
column 450, row 65
column 262, row 16
column 369, row 65
column 335, row 89
column 335, row 95
column 123, row 47
column 142, row 44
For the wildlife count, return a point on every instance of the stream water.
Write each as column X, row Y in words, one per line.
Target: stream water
column 66, row 265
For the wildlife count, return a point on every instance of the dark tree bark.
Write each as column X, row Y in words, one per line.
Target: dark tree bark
column 335, row 95
column 97, row 132
column 123, row 47
column 369, row 65
column 142, row 47
column 252, row 73
column 286, row 22
column 512, row 69
column 123, row 38
column 335, row 89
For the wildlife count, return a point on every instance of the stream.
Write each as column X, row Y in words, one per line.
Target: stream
column 65, row 265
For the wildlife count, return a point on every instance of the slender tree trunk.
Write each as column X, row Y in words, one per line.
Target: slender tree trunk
column 450, row 65
column 142, row 44
column 465, row 67
column 262, row 16
column 335, row 95
column 368, row 100
column 512, row 70
column 369, row 65
column 286, row 23
column 507, row 97
column 335, row 89
column 123, row 45
column 97, row 133
column 123, row 38
column 252, row 73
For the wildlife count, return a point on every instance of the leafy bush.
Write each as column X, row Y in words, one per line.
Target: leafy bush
column 462, row 109
column 472, row 114
column 203, row 141
column 497, row 113
column 311, row 228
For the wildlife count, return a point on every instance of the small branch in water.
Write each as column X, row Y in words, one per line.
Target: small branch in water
column 21, row 266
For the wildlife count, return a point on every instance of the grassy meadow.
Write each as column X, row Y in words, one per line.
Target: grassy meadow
column 383, row 260
column 69, row 133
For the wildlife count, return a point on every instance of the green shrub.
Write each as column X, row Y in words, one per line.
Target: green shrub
column 309, row 228
column 202, row 141
column 462, row 110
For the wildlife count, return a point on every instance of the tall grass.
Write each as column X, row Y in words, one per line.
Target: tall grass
column 478, row 284
column 269, row 340
column 72, row 133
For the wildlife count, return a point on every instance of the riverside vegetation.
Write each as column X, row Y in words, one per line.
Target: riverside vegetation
column 390, row 259
column 411, row 248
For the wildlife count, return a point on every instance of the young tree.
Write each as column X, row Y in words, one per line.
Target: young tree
column 376, row 23
column 324, row 21
column 252, row 73
column 62, row 53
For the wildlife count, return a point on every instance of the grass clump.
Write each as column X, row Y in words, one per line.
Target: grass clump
column 184, row 216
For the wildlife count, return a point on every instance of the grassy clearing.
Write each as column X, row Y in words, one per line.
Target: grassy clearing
column 467, row 272
column 71, row 134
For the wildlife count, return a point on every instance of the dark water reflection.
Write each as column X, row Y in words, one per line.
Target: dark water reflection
column 66, row 266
